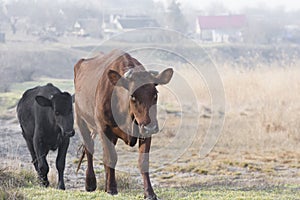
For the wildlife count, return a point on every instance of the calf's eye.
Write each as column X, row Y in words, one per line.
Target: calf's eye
column 133, row 98
column 56, row 113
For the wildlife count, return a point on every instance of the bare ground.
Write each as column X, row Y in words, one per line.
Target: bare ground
column 228, row 167
column 258, row 147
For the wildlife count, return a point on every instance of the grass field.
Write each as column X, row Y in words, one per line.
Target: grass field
column 168, row 194
column 23, row 185
column 8, row 100
column 257, row 155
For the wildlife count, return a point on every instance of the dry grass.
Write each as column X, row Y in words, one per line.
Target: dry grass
column 260, row 136
column 262, row 109
column 262, row 106
column 10, row 181
column 259, row 143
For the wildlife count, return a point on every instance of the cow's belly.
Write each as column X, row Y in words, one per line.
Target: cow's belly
column 86, row 113
column 85, row 107
column 86, row 82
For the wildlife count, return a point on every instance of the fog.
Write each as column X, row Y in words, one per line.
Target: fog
column 289, row 5
column 233, row 59
column 30, row 28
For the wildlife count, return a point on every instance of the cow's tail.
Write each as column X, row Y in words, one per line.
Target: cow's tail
column 82, row 149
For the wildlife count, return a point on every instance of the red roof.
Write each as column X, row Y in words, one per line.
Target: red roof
column 222, row 22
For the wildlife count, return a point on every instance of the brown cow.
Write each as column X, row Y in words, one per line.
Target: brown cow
column 116, row 98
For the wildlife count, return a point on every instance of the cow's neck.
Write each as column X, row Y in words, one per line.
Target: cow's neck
column 52, row 121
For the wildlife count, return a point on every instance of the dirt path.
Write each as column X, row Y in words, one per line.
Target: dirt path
column 14, row 154
column 250, row 170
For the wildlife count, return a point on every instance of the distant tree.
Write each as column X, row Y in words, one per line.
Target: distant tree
column 2, row 11
column 174, row 17
column 130, row 7
column 63, row 14
column 13, row 22
column 217, row 8
column 265, row 25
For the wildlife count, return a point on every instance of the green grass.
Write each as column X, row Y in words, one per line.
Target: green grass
column 22, row 184
column 164, row 193
column 63, row 84
column 11, row 182
column 9, row 100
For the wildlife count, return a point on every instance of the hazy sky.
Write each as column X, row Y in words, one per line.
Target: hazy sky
column 235, row 5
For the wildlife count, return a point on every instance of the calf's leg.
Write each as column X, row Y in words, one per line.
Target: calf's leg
column 110, row 160
column 42, row 165
column 29, row 143
column 90, row 178
column 144, row 148
column 60, row 162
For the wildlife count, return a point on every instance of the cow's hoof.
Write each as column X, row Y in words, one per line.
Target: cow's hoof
column 61, row 187
column 151, row 197
column 90, row 184
column 44, row 182
column 112, row 192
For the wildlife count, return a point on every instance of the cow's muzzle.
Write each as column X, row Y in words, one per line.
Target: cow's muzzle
column 148, row 130
column 70, row 133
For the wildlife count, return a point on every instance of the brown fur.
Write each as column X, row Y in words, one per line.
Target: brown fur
column 100, row 88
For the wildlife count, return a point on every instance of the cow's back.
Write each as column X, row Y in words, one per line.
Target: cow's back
column 92, row 83
column 26, row 107
column 89, row 73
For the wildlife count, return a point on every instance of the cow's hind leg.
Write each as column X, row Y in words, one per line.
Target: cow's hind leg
column 60, row 162
column 90, row 179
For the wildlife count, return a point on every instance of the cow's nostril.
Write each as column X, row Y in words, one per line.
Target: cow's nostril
column 148, row 129
column 145, row 123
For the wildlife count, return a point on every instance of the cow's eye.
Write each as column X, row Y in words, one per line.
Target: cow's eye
column 155, row 97
column 56, row 113
column 133, row 98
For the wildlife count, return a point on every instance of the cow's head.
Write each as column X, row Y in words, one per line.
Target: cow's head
column 143, row 96
column 62, row 110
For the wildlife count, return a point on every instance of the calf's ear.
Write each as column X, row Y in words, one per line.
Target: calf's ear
column 117, row 80
column 164, row 77
column 43, row 101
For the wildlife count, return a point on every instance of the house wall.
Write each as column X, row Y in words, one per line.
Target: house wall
column 220, row 36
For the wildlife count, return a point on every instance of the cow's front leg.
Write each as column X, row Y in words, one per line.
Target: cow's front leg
column 144, row 148
column 60, row 162
column 42, row 165
column 110, row 161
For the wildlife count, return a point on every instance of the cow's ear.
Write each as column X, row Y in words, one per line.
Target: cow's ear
column 116, row 79
column 164, row 77
column 43, row 101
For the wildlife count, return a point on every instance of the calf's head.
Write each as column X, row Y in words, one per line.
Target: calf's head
column 143, row 96
column 62, row 110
